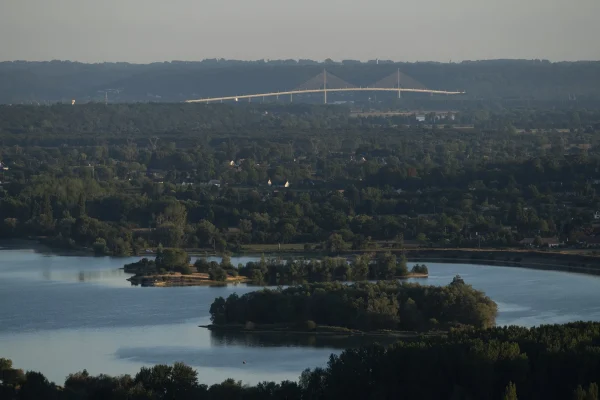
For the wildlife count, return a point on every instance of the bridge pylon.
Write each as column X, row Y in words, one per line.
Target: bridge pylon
column 325, row 82
column 324, row 86
column 398, row 80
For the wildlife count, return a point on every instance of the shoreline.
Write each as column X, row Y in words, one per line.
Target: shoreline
column 522, row 258
column 201, row 280
column 330, row 331
column 182, row 280
column 529, row 259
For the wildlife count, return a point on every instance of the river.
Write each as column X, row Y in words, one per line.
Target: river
column 61, row 314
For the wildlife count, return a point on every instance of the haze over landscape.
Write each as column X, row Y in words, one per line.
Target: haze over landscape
column 299, row 200
column 143, row 31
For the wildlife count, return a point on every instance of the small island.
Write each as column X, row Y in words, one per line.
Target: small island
column 172, row 267
column 382, row 308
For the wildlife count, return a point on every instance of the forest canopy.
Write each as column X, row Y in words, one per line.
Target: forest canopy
column 554, row 362
column 364, row 306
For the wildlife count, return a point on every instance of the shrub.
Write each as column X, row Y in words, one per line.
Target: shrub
column 217, row 274
column 185, row 270
column 308, row 325
column 420, row 269
column 202, row 265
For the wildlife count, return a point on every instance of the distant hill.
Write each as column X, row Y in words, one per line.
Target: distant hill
column 492, row 80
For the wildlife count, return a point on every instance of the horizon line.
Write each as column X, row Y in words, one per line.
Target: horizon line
column 301, row 61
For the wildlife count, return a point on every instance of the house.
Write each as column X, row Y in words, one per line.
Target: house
column 360, row 159
column 545, row 242
column 597, row 215
column 232, row 232
column 214, row 182
column 279, row 184
column 3, row 166
column 150, row 173
column 590, row 241
column 420, row 118
column 237, row 163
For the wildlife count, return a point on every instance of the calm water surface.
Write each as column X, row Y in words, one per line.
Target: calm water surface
column 61, row 314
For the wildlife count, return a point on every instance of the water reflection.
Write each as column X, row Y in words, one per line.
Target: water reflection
column 84, row 276
column 247, row 339
column 250, row 364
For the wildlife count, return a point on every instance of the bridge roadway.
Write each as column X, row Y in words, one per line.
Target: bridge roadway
column 307, row 91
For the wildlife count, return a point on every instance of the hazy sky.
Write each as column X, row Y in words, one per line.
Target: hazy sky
column 403, row 30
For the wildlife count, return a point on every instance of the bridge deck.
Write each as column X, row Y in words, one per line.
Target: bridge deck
column 307, row 91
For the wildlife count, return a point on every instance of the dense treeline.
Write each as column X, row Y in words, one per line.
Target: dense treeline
column 549, row 362
column 364, row 306
column 336, row 183
column 277, row 272
column 137, row 119
column 529, row 80
column 362, row 267
column 84, row 122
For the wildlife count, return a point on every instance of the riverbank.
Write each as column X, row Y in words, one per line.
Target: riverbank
column 559, row 260
column 544, row 260
column 556, row 260
column 200, row 279
column 413, row 276
column 317, row 330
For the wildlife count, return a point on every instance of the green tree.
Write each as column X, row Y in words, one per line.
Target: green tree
column 422, row 239
column 510, row 393
column 37, row 386
column 402, row 266
column 246, row 225
column 335, row 244
column 226, row 262
column 257, row 276
column 288, row 233
column 385, row 266
column 207, row 233
column 202, row 265
column 579, row 393
column 100, row 248
column 173, row 260
column 592, row 392
column 5, row 363
column 457, row 281
column 360, row 267
column 420, row 269
column 80, row 211
column 169, row 234
column 218, row 274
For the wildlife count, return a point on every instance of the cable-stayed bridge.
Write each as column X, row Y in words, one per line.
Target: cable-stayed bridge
column 326, row 82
